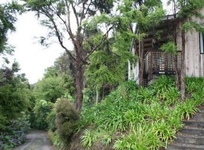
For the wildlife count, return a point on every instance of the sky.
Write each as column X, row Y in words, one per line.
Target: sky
column 32, row 57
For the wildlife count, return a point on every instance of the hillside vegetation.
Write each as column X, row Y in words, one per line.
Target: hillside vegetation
column 138, row 118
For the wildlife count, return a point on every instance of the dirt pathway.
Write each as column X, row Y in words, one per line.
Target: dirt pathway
column 36, row 140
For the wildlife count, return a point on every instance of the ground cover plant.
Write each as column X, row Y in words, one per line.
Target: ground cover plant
column 15, row 133
column 140, row 118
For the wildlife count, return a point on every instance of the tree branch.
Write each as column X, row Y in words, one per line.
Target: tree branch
column 75, row 14
column 102, row 40
column 59, row 37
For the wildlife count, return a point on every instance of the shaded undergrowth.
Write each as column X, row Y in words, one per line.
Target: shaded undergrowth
column 140, row 118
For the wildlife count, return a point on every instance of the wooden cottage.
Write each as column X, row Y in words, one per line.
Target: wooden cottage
column 155, row 62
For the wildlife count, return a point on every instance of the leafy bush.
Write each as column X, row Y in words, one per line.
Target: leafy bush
column 3, row 121
column 15, row 133
column 50, row 89
column 41, row 110
column 51, row 120
column 14, row 98
column 66, row 119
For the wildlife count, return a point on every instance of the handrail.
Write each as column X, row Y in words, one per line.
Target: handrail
column 158, row 62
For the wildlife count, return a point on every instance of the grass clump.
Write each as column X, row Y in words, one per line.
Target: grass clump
column 139, row 118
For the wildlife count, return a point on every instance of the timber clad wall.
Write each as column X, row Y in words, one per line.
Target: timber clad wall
column 194, row 60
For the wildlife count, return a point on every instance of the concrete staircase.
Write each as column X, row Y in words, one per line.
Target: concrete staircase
column 191, row 136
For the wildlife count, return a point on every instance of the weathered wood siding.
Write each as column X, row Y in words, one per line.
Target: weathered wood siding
column 194, row 61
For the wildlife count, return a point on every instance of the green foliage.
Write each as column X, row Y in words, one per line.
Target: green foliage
column 133, row 115
column 187, row 10
column 145, row 15
column 15, row 98
column 66, row 120
column 7, row 20
column 169, row 47
column 41, row 110
column 190, row 8
column 102, row 6
column 187, row 109
column 51, row 119
column 57, row 83
column 88, row 138
column 55, row 139
column 136, row 137
column 108, row 67
column 61, row 120
column 14, row 95
column 165, row 90
column 50, row 89
column 15, row 133
column 3, row 120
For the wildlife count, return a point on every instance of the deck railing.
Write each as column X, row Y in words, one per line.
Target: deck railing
column 158, row 62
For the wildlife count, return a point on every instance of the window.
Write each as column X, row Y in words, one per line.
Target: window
column 201, row 41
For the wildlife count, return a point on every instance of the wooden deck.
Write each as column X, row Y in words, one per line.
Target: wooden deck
column 158, row 62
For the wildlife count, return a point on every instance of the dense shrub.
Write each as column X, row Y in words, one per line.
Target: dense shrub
column 50, row 88
column 51, row 120
column 14, row 98
column 66, row 119
column 41, row 110
column 3, row 121
column 15, row 133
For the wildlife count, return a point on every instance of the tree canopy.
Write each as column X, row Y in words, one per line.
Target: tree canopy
column 7, row 20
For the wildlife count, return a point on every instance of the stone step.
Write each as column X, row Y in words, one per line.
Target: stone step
column 190, row 139
column 191, row 136
column 192, row 123
column 198, row 117
column 192, row 131
column 201, row 109
column 180, row 146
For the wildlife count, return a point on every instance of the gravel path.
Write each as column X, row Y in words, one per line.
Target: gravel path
column 36, row 140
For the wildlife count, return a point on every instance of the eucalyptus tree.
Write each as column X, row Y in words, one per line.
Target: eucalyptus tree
column 187, row 10
column 66, row 19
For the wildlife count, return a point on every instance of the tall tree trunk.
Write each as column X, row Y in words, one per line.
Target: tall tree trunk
column 176, row 71
column 176, row 25
column 175, row 58
column 141, row 64
column 183, row 86
column 79, row 85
